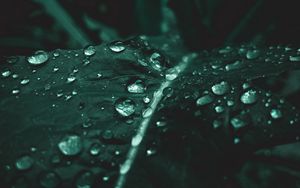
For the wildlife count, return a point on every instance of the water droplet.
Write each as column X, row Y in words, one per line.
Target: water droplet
column 230, row 103
column 294, row 58
column 70, row 145
column 225, row 50
column 24, row 163
column 56, row 54
column 171, row 74
column 249, row 97
column 236, row 140
column 219, row 109
column 233, row 66
column 71, row 79
column 117, row 47
column 15, row 91
column 156, row 61
column 95, row 149
column 146, row 99
column 206, row 99
column 89, row 50
column 85, row 180
column 220, row 88
column 150, row 152
column 24, row 82
column 237, row 123
column 125, row 107
column 136, row 87
column 49, row 179
column 38, row 58
column 252, row 54
column 276, row 113
column 147, row 113
column 6, row 74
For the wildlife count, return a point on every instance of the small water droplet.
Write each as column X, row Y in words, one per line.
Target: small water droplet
column 206, row 99
column 137, row 86
column 220, row 88
column 125, row 107
column 294, row 58
column 237, row 123
column 117, row 47
column 233, row 66
column 49, row 179
column 71, row 79
column 249, row 97
column 89, row 50
column 24, row 163
column 146, row 99
column 276, row 113
column 236, row 140
column 85, row 180
column 252, row 54
column 219, row 109
column 24, row 82
column 6, row 74
column 156, row 61
column 15, row 91
column 56, row 54
column 230, row 103
column 70, row 145
column 39, row 57
column 95, row 149
column 150, row 152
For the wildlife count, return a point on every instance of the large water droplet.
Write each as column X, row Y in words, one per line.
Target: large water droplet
column 276, row 113
column 49, row 179
column 220, row 88
column 24, row 163
column 38, row 58
column 117, row 47
column 249, row 97
column 89, row 50
column 137, row 86
column 252, row 54
column 206, row 99
column 125, row 107
column 70, row 145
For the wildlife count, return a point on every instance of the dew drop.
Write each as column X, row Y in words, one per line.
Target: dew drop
column 249, row 97
column 220, row 88
column 38, row 58
column 276, row 113
column 24, row 163
column 89, row 50
column 204, row 100
column 252, row 54
column 117, row 47
column 6, row 74
column 24, row 82
column 237, row 123
column 95, row 149
column 70, row 145
column 71, row 79
column 125, row 107
column 136, row 87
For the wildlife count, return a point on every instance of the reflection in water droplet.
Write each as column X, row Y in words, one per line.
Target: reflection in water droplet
column 117, row 47
column 89, row 50
column 276, row 113
column 70, row 145
column 249, row 97
column 24, row 163
column 125, row 107
column 38, row 58
column 206, row 99
column 220, row 88
column 136, row 87
column 252, row 54
column 49, row 179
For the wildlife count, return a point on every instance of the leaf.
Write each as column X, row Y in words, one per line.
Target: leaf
column 144, row 109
